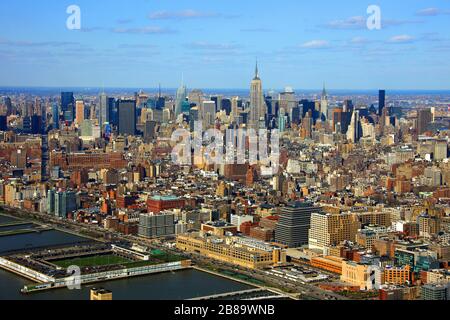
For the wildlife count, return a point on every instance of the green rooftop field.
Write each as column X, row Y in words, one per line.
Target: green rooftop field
column 103, row 260
column 157, row 257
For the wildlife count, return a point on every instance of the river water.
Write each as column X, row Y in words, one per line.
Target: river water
column 178, row 285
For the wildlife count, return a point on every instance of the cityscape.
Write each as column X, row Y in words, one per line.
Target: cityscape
column 247, row 193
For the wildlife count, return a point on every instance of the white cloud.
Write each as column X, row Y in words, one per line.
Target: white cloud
column 143, row 30
column 432, row 12
column 359, row 40
column 315, row 44
column 404, row 38
column 185, row 14
column 211, row 46
column 357, row 22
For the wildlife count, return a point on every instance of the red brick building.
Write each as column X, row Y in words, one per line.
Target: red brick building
column 78, row 161
column 157, row 204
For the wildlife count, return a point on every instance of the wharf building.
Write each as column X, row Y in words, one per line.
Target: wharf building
column 251, row 254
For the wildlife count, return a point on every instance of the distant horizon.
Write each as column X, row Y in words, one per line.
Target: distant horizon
column 92, row 90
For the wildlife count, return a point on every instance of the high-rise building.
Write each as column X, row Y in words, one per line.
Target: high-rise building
column 113, row 114
column 80, row 112
column 127, row 117
column 256, row 101
column 67, row 105
column 3, row 123
column 65, row 203
column 424, row 118
column 331, row 229
column 156, row 225
column 440, row 150
column 36, row 124
column 196, row 97
column 180, row 98
column 104, row 113
column 354, row 132
column 226, row 106
column 341, row 118
column 8, row 105
column 381, row 101
column 295, row 115
column 324, row 104
column 235, row 107
column 208, row 114
column 282, row 120
column 51, row 201
column 149, row 130
column 293, row 226
column 193, row 117
column 55, row 116
column 287, row 99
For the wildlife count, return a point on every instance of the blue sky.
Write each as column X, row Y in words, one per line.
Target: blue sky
column 214, row 44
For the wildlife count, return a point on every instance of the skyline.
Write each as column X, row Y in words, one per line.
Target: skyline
column 215, row 44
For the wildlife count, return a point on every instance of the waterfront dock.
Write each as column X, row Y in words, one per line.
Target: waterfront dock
column 38, row 229
column 87, row 279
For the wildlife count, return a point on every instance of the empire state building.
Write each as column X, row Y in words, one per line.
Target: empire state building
column 257, row 110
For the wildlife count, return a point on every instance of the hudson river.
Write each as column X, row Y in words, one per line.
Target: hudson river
column 165, row 286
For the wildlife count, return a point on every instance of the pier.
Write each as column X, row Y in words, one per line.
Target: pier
column 106, row 276
column 38, row 229
column 229, row 294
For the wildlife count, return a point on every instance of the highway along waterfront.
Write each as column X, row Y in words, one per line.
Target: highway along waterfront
column 48, row 246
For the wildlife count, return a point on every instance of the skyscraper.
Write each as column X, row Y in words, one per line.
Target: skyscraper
column 67, row 105
column 55, row 116
column 3, row 123
column 235, row 108
column 256, row 101
column 104, row 113
column 424, row 118
column 193, row 117
column 127, row 117
column 65, row 203
column 293, row 227
column 112, row 112
column 79, row 118
column 180, row 98
column 282, row 120
column 354, row 129
column 324, row 104
column 208, row 114
column 330, row 229
column 381, row 101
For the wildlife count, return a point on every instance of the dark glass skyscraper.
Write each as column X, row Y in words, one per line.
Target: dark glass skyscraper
column 68, row 105
column 3, row 123
column 381, row 101
column 127, row 117
column 424, row 118
column 294, row 224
